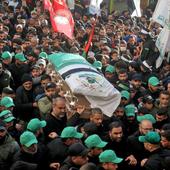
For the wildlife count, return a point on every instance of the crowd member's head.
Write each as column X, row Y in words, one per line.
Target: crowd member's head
column 8, row 92
column 95, row 144
column 7, row 117
column 35, row 71
column 7, row 103
column 116, row 131
column 148, row 102
column 6, row 58
column 59, row 107
column 122, row 75
column 28, row 142
column 27, row 82
column 153, row 84
column 109, row 160
column 119, row 112
column 45, row 79
column 164, row 98
column 69, row 135
column 20, row 59
column 96, row 116
column 145, row 126
column 78, row 154
column 50, row 90
column 165, row 139
column 130, row 113
column 151, row 141
column 36, row 126
column 136, row 80
column 125, row 97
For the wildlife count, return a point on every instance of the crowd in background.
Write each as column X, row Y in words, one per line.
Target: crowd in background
column 35, row 130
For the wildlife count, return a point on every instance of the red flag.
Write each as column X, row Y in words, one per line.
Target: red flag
column 61, row 18
column 47, row 4
column 87, row 46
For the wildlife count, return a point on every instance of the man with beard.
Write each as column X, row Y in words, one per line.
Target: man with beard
column 8, row 147
column 117, row 142
column 57, row 119
column 136, row 84
column 45, row 103
column 122, row 83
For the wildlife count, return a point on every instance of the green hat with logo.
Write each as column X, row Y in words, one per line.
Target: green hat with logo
column 6, row 116
column 20, row 57
column 28, row 138
column 154, row 81
column 110, row 69
column 94, row 141
column 43, row 55
column 151, row 137
column 7, row 102
column 6, row 55
column 125, row 94
column 36, row 124
column 109, row 156
column 146, row 117
column 70, row 132
column 130, row 110
column 97, row 65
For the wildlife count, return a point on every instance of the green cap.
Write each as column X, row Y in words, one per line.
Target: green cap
column 20, row 56
column 28, row 138
column 6, row 55
column 110, row 157
column 97, row 64
column 70, row 132
column 6, row 116
column 151, row 137
column 43, row 55
column 35, row 124
column 146, row 117
column 130, row 110
column 125, row 94
column 94, row 141
column 154, row 81
column 7, row 102
column 110, row 69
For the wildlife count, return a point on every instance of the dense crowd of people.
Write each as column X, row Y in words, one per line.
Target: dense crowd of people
column 35, row 129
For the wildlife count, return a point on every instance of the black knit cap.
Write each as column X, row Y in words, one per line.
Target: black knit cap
column 25, row 78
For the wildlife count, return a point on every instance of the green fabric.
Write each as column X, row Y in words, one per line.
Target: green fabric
column 6, row 55
column 61, row 60
column 151, row 137
column 94, row 141
column 130, row 110
column 28, row 138
column 125, row 94
column 35, row 124
column 110, row 157
column 154, row 81
column 7, row 102
column 146, row 117
column 6, row 116
column 20, row 56
column 71, row 132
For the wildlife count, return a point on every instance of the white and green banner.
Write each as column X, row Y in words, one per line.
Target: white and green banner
column 83, row 78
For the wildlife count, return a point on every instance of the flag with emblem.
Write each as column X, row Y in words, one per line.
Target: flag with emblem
column 61, row 18
column 82, row 78
column 94, row 7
